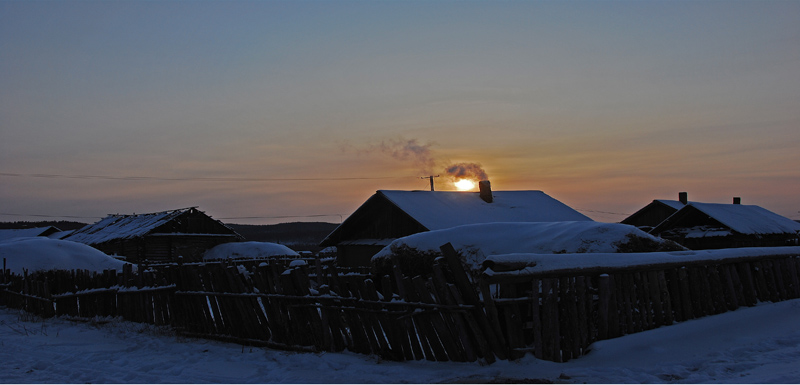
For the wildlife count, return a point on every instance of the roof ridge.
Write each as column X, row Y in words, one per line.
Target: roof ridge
column 155, row 213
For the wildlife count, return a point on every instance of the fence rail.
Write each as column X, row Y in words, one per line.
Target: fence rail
column 449, row 315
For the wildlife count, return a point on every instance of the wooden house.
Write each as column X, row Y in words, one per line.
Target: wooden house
column 156, row 237
column 389, row 215
column 716, row 226
column 656, row 212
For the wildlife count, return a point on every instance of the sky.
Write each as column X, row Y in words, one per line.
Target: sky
column 276, row 111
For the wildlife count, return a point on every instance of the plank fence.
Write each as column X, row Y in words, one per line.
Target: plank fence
column 448, row 315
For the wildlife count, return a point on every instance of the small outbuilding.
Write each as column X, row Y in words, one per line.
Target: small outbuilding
column 700, row 226
column 392, row 214
column 156, row 237
column 656, row 212
column 46, row 231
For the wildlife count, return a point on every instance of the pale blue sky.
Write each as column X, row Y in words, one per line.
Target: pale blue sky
column 604, row 105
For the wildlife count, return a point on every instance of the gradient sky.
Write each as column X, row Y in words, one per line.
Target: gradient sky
column 301, row 110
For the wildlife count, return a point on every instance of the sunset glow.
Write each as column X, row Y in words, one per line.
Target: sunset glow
column 263, row 112
column 464, row 184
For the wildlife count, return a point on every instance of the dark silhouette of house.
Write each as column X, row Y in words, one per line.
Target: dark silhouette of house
column 389, row 215
column 715, row 226
column 156, row 237
column 656, row 212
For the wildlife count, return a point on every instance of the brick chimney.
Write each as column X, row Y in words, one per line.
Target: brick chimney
column 486, row 190
column 737, row 200
column 683, row 197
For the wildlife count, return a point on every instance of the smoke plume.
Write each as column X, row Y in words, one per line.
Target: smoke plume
column 421, row 155
column 409, row 150
column 467, row 171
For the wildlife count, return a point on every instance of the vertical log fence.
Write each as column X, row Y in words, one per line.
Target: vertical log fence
column 510, row 310
column 563, row 311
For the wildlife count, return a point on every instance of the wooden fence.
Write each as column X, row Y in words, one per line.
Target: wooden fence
column 557, row 313
column 446, row 316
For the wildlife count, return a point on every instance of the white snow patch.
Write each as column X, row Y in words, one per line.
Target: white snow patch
column 298, row 263
column 550, row 262
column 249, row 250
column 41, row 253
column 477, row 242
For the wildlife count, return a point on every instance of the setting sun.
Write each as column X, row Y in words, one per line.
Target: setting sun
column 464, row 184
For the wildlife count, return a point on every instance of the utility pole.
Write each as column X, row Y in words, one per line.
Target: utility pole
column 431, row 178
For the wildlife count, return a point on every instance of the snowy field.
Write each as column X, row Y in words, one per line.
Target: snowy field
column 751, row 345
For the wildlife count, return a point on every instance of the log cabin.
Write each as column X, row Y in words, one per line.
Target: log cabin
column 700, row 226
column 656, row 212
column 156, row 237
column 391, row 214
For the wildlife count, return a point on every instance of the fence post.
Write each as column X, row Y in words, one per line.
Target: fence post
column 605, row 298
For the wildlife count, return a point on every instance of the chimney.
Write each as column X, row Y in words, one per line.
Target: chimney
column 486, row 190
column 683, row 197
column 737, row 200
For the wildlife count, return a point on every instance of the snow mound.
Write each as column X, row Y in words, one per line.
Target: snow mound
column 476, row 242
column 248, row 250
column 41, row 254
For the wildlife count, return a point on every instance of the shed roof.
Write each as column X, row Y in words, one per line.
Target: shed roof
column 116, row 226
column 24, row 233
column 744, row 219
column 655, row 204
column 444, row 209
column 677, row 205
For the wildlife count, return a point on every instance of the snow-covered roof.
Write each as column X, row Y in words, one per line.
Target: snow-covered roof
column 444, row 209
column 118, row 226
column 677, row 205
column 748, row 219
column 60, row 234
column 24, row 233
column 743, row 219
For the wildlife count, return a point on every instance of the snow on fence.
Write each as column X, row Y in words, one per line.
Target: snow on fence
column 509, row 310
column 556, row 312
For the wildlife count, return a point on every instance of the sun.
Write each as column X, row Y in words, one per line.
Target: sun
column 464, row 184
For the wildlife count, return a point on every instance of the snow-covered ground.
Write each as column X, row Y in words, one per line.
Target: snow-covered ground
column 751, row 345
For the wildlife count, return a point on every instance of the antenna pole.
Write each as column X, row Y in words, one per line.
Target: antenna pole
column 431, row 178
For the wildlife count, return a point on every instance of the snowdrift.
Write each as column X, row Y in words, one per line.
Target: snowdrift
column 41, row 254
column 248, row 250
column 476, row 242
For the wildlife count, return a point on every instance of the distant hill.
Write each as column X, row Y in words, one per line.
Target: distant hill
column 63, row 225
column 297, row 235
